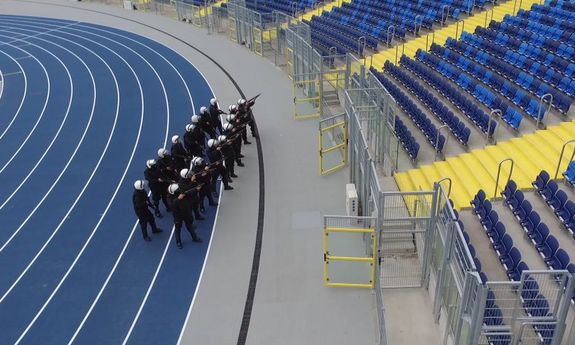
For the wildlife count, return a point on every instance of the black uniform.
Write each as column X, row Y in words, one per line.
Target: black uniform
column 234, row 136
column 206, row 124
column 158, row 186
column 182, row 212
column 141, row 202
column 189, row 187
column 229, row 156
column 247, row 116
column 167, row 169
column 192, row 144
column 215, row 113
column 204, row 178
column 180, row 156
column 216, row 161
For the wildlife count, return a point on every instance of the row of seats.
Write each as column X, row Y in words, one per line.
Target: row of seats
column 535, row 39
column 351, row 31
column 473, row 112
column 518, row 69
column 285, row 6
column 546, row 244
column 406, row 139
column 556, row 199
column 419, row 118
column 324, row 38
column 553, row 26
column 509, row 115
column 532, row 24
column 434, row 105
column 370, row 18
column 409, row 12
column 519, row 97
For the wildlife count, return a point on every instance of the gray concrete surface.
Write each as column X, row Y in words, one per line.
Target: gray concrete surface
column 291, row 304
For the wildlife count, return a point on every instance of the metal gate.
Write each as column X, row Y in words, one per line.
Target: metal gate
column 349, row 248
column 307, row 96
column 332, row 144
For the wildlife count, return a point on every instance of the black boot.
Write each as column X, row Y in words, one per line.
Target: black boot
column 147, row 239
column 179, row 245
column 157, row 230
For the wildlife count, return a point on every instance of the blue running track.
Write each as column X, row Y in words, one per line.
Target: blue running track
column 82, row 108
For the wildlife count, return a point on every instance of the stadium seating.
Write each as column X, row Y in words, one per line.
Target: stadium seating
column 419, row 118
column 569, row 174
column 285, row 6
column 557, row 200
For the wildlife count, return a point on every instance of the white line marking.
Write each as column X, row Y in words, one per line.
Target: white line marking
column 59, row 128
column 38, row 34
column 39, row 118
column 23, row 94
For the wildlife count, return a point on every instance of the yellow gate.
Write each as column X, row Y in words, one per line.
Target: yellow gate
column 332, row 144
column 197, row 16
column 307, row 98
column 349, row 245
column 233, row 29
column 289, row 61
column 258, row 41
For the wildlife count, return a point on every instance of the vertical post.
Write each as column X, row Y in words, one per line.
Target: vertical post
column 430, row 237
column 492, row 118
column 499, row 173
column 439, row 151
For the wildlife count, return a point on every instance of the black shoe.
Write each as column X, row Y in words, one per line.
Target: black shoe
column 241, row 156
column 200, row 218
column 147, row 239
column 197, row 239
column 157, row 231
column 228, row 188
column 247, row 143
column 234, row 175
column 179, row 245
column 158, row 214
column 240, row 164
column 213, row 203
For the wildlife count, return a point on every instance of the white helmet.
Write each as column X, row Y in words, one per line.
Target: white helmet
column 139, row 185
column 150, row 163
column 195, row 119
column 173, row 188
column 213, row 101
column 203, row 110
column 197, row 161
column 231, row 117
column 212, row 142
column 241, row 101
column 190, row 127
column 162, row 152
column 232, row 107
column 227, row 126
column 175, row 139
column 222, row 138
column 184, row 173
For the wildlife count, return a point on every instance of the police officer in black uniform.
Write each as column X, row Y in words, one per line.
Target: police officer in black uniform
column 179, row 154
column 157, row 184
column 182, row 212
column 232, row 131
column 167, row 167
column 191, row 142
column 215, row 113
column 141, row 203
column 217, row 165
column 206, row 122
column 189, row 186
column 204, row 179
column 228, row 153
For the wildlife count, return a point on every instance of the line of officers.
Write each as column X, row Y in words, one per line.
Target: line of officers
column 184, row 177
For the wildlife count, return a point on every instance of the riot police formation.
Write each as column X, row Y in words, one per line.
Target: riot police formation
column 187, row 175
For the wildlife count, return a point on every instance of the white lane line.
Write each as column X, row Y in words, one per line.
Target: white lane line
column 8, row 75
column 3, row 84
column 203, row 267
column 109, row 203
column 61, row 124
column 23, row 94
column 38, row 34
column 39, row 118
column 57, row 179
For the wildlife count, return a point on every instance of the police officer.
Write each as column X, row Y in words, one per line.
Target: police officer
column 215, row 113
column 233, row 134
column 141, row 203
column 204, row 179
column 198, row 133
column 217, row 162
column 157, row 185
column 167, row 167
column 179, row 154
column 189, row 186
column 206, row 122
column 182, row 212
column 190, row 141
column 245, row 115
column 228, row 153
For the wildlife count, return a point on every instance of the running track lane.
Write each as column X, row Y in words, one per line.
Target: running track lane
column 116, row 308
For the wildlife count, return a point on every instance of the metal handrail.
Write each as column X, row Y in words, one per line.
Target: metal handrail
column 540, row 116
column 444, row 10
column 388, row 39
column 499, row 173
column 450, row 183
column 437, row 150
column 361, row 46
column 561, row 156
column 492, row 117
